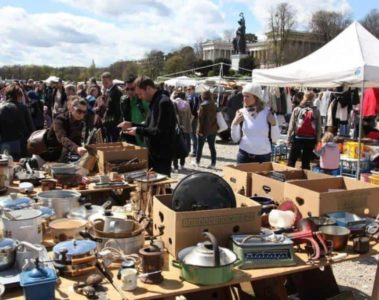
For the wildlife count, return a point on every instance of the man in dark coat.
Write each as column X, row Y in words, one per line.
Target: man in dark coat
column 159, row 128
column 112, row 114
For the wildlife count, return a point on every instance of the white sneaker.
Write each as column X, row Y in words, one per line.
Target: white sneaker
column 211, row 167
column 195, row 164
column 175, row 170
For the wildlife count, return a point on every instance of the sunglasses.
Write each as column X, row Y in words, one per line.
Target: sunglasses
column 81, row 112
column 129, row 89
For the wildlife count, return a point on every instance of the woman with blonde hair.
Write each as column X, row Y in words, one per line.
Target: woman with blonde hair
column 256, row 119
column 304, row 131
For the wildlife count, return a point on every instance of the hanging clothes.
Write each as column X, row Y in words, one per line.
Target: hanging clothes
column 371, row 102
column 325, row 101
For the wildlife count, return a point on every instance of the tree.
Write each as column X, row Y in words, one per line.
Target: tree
column 153, row 63
column 251, row 38
column 328, row 24
column 225, row 66
column 174, row 64
column 280, row 23
column 371, row 22
column 189, row 57
column 92, row 69
column 247, row 63
column 204, row 65
column 198, row 49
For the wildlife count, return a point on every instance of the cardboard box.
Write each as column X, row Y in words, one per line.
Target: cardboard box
column 320, row 196
column 184, row 229
column 119, row 152
column 273, row 188
column 240, row 176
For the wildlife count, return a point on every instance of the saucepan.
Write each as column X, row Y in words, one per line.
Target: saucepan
column 337, row 234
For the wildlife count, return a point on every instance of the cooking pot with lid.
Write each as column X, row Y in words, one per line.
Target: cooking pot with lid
column 62, row 201
column 206, row 263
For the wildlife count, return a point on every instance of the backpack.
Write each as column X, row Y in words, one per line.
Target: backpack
column 305, row 122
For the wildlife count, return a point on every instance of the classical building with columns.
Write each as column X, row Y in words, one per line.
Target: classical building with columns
column 299, row 44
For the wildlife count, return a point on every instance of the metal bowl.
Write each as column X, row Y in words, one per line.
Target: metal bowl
column 337, row 234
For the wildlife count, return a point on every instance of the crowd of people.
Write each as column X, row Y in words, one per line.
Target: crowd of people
column 143, row 113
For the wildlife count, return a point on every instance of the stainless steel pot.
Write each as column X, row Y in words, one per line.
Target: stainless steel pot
column 62, row 201
column 23, row 225
column 87, row 210
column 8, row 249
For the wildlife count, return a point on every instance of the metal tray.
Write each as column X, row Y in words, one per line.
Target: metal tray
column 144, row 178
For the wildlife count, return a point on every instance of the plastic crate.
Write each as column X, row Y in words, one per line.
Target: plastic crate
column 374, row 179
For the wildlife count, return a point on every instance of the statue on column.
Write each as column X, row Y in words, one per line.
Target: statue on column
column 239, row 42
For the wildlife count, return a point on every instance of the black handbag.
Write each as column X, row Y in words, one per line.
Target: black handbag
column 181, row 148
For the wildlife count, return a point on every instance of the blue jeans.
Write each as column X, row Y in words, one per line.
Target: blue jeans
column 244, row 157
column 193, row 135
column 211, row 139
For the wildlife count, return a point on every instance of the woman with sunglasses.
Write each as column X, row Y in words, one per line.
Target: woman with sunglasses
column 66, row 134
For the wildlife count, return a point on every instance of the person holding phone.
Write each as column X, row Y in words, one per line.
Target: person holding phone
column 251, row 127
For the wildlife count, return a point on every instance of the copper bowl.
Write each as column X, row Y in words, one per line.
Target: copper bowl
column 337, row 234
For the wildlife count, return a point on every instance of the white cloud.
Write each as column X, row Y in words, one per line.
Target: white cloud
column 62, row 39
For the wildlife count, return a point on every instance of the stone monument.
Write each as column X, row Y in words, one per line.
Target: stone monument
column 239, row 44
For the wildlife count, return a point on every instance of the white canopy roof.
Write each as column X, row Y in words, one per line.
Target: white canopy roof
column 350, row 58
column 181, row 81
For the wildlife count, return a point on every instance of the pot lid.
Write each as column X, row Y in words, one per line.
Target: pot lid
column 202, row 190
column 24, row 214
column 37, row 275
column 75, row 247
column 6, row 242
column 202, row 255
column 67, row 224
column 13, row 201
column 85, row 211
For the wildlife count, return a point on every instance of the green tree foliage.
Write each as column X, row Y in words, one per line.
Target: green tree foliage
column 371, row 22
column 328, row 24
column 174, row 64
column 225, row 66
column 246, row 63
column 251, row 38
column 204, row 65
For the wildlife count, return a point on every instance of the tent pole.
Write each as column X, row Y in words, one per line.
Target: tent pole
column 360, row 131
column 219, row 84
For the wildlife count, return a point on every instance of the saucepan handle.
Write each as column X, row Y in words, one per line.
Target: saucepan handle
column 176, row 264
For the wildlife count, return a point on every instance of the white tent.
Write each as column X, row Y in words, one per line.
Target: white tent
column 351, row 58
column 181, row 81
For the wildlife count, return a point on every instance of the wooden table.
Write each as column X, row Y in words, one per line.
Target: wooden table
column 173, row 285
column 65, row 290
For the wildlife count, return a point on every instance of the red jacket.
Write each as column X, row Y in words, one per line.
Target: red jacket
column 371, row 102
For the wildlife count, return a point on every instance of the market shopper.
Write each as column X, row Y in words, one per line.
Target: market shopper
column 206, row 128
column 65, row 135
column 159, row 128
column 329, row 154
column 184, row 117
column 16, row 123
column 194, row 102
column 251, row 127
column 133, row 109
column 304, row 131
column 112, row 114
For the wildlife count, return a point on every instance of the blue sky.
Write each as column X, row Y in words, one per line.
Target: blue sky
column 73, row 32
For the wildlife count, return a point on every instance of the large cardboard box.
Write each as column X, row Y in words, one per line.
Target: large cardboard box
column 320, row 196
column 184, row 229
column 119, row 152
column 240, row 176
column 266, row 186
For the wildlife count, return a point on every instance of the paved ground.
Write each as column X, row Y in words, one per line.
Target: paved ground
column 357, row 276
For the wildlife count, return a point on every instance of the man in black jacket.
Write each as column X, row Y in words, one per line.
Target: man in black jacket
column 159, row 128
column 112, row 114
